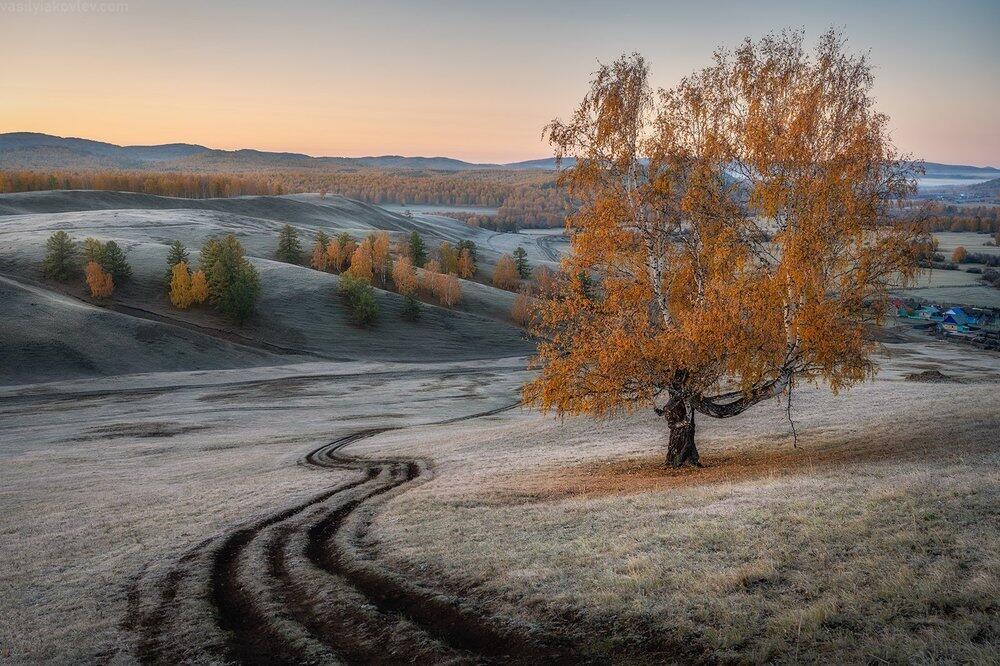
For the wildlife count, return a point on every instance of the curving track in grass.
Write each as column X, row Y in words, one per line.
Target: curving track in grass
column 301, row 586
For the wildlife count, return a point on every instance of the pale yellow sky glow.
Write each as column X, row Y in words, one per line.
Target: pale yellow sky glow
column 476, row 81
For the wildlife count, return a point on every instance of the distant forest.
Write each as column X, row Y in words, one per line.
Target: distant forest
column 524, row 199
column 936, row 216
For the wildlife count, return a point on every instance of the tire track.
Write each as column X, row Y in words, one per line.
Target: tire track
column 297, row 586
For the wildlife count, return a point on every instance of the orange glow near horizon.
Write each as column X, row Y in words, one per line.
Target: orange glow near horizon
column 469, row 81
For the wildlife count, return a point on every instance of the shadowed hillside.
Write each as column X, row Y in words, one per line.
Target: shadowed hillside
column 300, row 315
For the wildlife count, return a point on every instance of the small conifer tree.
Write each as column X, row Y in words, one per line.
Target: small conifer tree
column 521, row 262
column 418, row 251
column 114, row 262
column 176, row 254
column 60, row 257
column 289, row 248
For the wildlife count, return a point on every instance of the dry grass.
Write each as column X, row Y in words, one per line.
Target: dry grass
column 876, row 541
column 106, row 481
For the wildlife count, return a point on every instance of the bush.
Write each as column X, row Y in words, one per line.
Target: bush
column 60, row 257
column 959, row 255
column 199, row 287
column 411, row 308
column 466, row 265
column 319, row 258
column 361, row 263
column 360, row 299
column 108, row 256
column 991, row 260
column 522, row 312
column 447, row 289
column 404, row 277
column 93, row 250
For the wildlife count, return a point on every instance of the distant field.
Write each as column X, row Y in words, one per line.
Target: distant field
column 439, row 208
column 973, row 242
column 957, row 287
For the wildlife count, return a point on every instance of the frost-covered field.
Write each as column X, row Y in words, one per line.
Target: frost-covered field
column 178, row 489
column 105, row 480
column 876, row 540
column 958, row 287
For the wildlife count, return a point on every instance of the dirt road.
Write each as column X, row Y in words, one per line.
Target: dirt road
column 303, row 585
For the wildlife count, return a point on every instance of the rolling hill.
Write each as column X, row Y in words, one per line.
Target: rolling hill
column 299, row 318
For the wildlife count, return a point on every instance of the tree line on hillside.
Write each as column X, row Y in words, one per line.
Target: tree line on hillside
column 938, row 217
column 188, row 185
column 103, row 264
column 405, row 267
column 225, row 278
column 523, row 199
column 412, row 270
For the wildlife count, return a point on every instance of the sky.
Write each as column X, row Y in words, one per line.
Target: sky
column 471, row 80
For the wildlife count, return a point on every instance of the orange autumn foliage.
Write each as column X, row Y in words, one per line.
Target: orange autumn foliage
column 361, row 263
column 522, row 311
column 379, row 247
column 466, row 266
column 737, row 231
column 319, row 258
column 546, row 281
column 98, row 280
column 199, row 287
column 334, row 255
column 403, row 276
column 180, row 286
column 505, row 274
column 448, row 290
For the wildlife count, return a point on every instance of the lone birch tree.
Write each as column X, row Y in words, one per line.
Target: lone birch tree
column 737, row 231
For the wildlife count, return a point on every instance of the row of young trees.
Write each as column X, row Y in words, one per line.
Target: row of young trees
column 104, row 263
column 936, row 217
column 225, row 278
column 375, row 261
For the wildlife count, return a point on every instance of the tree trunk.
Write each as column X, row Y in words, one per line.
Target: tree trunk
column 681, row 450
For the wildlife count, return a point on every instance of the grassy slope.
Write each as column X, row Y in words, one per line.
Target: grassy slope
column 875, row 540
column 108, row 481
column 299, row 311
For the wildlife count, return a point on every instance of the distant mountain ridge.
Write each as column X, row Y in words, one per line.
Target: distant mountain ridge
column 33, row 150
column 936, row 170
